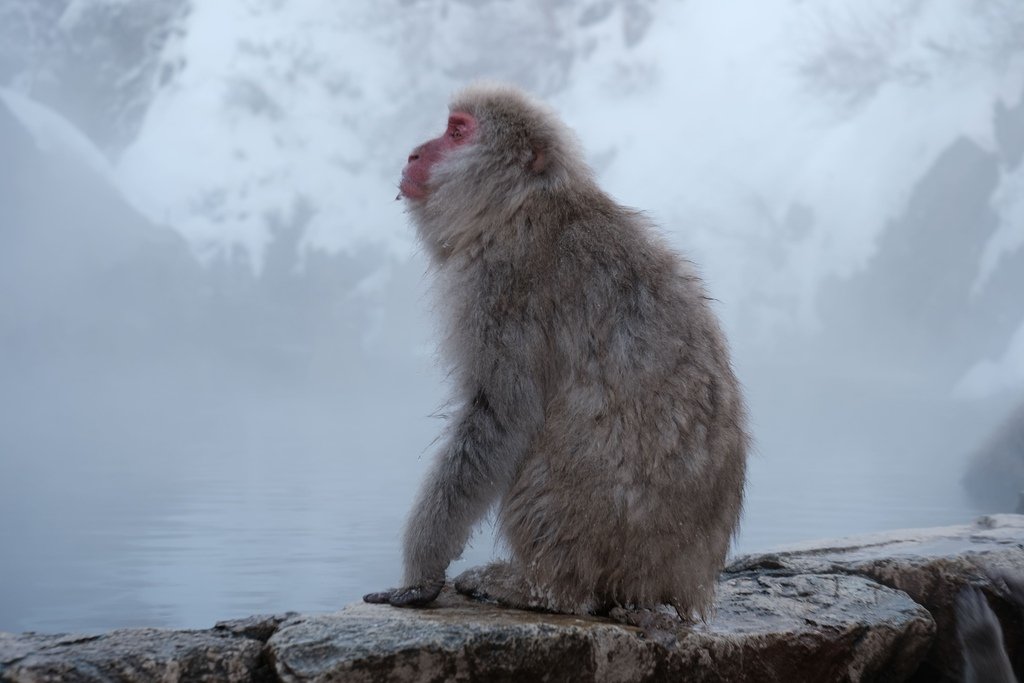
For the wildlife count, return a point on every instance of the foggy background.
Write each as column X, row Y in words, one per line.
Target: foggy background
column 218, row 387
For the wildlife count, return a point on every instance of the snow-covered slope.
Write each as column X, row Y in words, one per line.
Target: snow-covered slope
column 315, row 101
column 54, row 134
column 741, row 128
column 774, row 140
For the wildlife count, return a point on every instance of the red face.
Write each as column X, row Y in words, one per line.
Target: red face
column 461, row 127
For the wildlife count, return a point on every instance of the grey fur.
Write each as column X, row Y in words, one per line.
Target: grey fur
column 599, row 411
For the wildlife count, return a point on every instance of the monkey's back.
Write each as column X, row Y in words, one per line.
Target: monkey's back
column 631, row 490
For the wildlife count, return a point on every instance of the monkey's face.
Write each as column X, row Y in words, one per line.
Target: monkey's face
column 416, row 175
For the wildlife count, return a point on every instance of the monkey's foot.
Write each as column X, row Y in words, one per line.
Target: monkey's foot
column 659, row 624
column 499, row 583
column 476, row 583
column 410, row 596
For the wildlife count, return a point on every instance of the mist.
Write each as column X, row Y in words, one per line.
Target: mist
column 218, row 379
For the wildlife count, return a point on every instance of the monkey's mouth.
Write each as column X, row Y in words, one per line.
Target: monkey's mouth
column 412, row 189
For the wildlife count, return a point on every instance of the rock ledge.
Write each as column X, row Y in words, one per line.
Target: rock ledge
column 871, row 608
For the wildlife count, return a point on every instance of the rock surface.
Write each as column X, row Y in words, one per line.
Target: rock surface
column 877, row 607
column 834, row 628
column 133, row 655
column 931, row 566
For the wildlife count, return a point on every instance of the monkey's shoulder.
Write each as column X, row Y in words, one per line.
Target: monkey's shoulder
column 618, row 247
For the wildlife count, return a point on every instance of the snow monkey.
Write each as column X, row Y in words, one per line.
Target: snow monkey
column 596, row 405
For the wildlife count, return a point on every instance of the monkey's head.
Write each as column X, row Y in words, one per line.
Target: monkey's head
column 499, row 151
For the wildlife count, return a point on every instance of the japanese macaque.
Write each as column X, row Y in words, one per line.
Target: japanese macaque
column 597, row 408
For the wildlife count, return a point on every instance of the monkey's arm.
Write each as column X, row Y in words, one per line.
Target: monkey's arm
column 473, row 469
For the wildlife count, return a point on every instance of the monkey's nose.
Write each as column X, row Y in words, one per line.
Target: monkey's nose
column 413, row 157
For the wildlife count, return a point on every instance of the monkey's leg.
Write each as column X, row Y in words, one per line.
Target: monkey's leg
column 475, row 466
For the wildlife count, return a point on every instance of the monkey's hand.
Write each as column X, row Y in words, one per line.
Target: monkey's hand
column 410, row 596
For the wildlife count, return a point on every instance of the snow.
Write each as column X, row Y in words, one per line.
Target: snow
column 260, row 118
column 725, row 124
column 76, row 9
column 52, row 133
column 1008, row 202
column 990, row 377
column 753, row 142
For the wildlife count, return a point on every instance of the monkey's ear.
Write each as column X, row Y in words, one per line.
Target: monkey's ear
column 539, row 160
